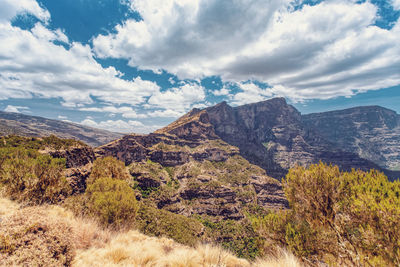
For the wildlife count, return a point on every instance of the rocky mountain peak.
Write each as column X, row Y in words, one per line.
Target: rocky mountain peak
column 195, row 125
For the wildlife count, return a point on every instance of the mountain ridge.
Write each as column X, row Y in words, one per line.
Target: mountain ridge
column 273, row 135
column 35, row 126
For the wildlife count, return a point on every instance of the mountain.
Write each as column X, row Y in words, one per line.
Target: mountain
column 194, row 172
column 25, row 125
column 372, row 132
column 274, row 136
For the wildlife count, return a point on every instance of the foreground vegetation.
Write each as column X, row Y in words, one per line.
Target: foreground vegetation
column 335, row 218
column 50, row 235
column 339, row 218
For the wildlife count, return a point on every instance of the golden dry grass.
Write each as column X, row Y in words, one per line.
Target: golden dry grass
column 136, row 249
column 53, row 236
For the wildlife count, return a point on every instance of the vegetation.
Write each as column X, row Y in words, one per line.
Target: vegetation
column 344, row 218
column 53, row 236
column 49, row 142
column 158, row 222
column 112, row 201
column 26, row 175
column 335, row 218
column 108, row 167
column 238, row 237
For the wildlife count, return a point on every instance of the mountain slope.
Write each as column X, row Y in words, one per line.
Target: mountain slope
column 25, row 125
column 272, row 135
column 372, row 132
column 193, row 172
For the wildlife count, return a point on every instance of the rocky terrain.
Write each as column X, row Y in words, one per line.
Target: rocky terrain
column 220, row 161
column 372, row 132
column 272, row 135
column 25, row 125
column 194, row 171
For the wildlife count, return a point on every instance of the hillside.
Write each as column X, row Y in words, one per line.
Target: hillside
column 272, row 135
column 372, row 132
column 203, row 169
column 53, row 236
column 25, row 125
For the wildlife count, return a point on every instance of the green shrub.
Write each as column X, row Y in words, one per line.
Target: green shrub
column 345, row 218
column 157, row 222
column 236, row 236
column 37, row 143
column 112, row 202
column 108, row 167
column 28, row 176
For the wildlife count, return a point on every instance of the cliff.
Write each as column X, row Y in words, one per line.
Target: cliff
column 372, row 132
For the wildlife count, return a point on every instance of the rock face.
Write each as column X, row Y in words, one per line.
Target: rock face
column 217, row 161
column 187, row 169
column 371, row 132
column 78, row 161
column 272, row 135
column 32, row 126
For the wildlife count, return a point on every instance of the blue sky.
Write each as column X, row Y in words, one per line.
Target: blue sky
column 137, row 65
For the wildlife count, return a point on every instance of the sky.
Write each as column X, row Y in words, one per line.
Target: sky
column 137, row 65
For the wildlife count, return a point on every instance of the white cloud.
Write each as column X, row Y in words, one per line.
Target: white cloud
column 31, row 65
column 127, row 112
column 121, row 126
column 178, row 99
column 167, row 113
column 222, row 92
column 396, row 4
column 41, row 32
column 320, row 51
column 10, row 8
column 250, row 93
column 61, row 117
column 15, row 109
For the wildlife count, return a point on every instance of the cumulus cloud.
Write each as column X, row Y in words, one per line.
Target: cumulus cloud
column 222, row 92
column 15, row 109
column 178, row 99
column 396, row 4
column 10, row 8
column 33, row 65
column 249, row 93
column 320, row 51
column 120, row 126
column 127, row 112
column 167, row 113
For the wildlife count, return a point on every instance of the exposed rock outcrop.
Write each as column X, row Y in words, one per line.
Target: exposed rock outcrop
column 372, row 132
column 273, row 135
column 187, row 169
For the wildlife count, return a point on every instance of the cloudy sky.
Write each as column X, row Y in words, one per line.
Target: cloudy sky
column 136, row 65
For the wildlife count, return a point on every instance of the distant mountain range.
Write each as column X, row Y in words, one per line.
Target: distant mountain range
column 25, row 125
column 275, row 136
column 270, row 134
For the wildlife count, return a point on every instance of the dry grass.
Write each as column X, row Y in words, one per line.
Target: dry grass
column 136, row 249
column 44, row 235
column 284, row 259
column 53, row 236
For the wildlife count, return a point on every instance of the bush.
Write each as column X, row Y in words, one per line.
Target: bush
column 29, row 176
column 345, row 218
column 108, row 167
column 37, row 143
column 112, row 202
column 238, row 237
column 157, row 222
